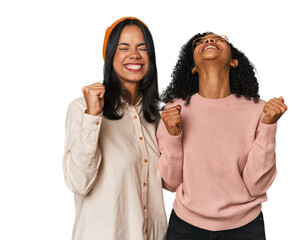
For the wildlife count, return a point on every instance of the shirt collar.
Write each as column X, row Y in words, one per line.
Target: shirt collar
column 125, row 103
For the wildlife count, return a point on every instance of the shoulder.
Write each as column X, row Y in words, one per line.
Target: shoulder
column 261, row 103
column 250, row 102
column 251, row 108
column 78, row 105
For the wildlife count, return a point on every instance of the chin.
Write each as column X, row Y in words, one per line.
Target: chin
column 136, row 77
column 133, row 79
column 210, row 56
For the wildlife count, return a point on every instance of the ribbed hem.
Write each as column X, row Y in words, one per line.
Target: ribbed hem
column 239, row 220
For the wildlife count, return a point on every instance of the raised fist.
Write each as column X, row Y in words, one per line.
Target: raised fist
column 172, row 119
column 94, row 97
column 273, row 110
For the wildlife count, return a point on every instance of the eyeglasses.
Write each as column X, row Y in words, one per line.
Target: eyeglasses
column 200, row 40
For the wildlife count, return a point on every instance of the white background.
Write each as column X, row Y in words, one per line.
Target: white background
column 50, row 49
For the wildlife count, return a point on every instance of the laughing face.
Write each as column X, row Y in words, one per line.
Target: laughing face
column 212, row 48
column 131, row 61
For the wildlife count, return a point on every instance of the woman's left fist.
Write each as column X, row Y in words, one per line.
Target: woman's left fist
column 273, row 110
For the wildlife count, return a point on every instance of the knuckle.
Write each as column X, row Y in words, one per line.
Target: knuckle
column 85, row 89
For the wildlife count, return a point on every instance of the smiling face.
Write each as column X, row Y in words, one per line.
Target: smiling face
column 131, row 61
column 213, row 48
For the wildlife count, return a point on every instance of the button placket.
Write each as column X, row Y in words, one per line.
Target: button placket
column 142, row 144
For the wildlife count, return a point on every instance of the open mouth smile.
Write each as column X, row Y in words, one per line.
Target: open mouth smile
column 209, row 46
column 134, row 67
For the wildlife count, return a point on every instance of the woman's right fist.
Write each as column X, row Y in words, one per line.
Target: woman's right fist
column 94, row 97
column 172, row 119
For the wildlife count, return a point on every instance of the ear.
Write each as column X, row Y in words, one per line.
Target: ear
column 194, row 70
column 234, row 63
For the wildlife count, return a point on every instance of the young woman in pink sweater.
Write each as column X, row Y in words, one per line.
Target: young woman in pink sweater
column 217, row 143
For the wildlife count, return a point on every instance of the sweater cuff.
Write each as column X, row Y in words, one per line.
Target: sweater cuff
column 267, row 131
column 173, row 142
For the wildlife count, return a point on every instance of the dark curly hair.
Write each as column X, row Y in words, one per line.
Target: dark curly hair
column 184, row 84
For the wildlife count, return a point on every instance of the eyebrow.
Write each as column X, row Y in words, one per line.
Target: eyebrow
column 126, row 44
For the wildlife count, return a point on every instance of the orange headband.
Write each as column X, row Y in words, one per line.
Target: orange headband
column 110, row 29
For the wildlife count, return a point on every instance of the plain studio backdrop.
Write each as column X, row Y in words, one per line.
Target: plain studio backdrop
column 49, row 50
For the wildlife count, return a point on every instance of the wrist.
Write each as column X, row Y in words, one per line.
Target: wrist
column 93, row 113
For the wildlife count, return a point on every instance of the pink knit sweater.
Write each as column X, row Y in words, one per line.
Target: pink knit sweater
column 222, row 163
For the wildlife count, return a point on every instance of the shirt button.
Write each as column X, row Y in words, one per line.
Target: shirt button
column 146, row 230
column 144, row 207
column 97, row 123
column 140, row 138
column 144, row 184
column 146, row 160
column 135, row 117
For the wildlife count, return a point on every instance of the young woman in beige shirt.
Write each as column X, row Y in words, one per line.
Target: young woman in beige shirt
column 111, row 153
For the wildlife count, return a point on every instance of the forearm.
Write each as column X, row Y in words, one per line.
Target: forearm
column 170, row 163
column 82, row 156
column 172, row 175
column 260, row 169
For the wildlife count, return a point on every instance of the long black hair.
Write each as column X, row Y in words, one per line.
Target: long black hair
column 184, row 84
column 114, row 90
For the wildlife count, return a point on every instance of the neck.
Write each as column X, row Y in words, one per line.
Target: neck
column 214, row 82
column 132, row 89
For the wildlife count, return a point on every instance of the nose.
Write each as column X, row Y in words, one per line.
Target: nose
column 209, row 39
column 134, row 54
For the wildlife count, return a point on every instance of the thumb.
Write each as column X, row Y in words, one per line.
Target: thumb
column 282, row 99
column 101, row 93
column 179, row 107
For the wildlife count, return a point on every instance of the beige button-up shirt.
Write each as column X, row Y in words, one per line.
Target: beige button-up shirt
column 111, row 166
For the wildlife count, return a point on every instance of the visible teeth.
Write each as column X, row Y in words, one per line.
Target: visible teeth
column 133, row 66
column 210, row 47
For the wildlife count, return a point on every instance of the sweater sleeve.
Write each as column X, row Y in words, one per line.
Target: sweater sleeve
column 170, row 163
column 82, row 156
column 260, row 169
